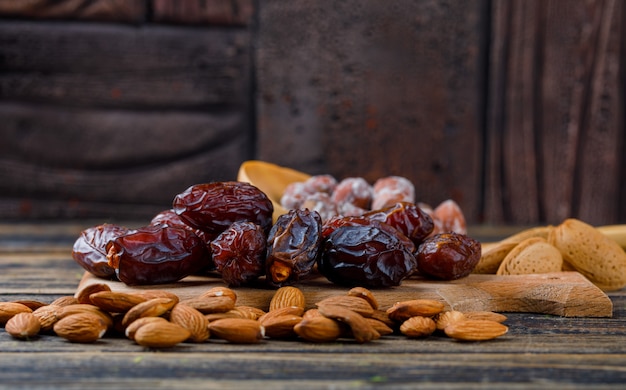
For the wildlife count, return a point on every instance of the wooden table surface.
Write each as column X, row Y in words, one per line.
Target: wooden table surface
column 540, row 351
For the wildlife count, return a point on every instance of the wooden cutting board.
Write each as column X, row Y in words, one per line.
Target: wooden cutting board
column 567, row 294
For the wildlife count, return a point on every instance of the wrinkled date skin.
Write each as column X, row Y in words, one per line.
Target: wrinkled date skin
column 170, row 218
column 89, row 249
column 448, row 256
column 366, row 256
column 407, row 218
column 213, row 207
column 156, row 254
column 293, row 246
column 332, row 224
column 239, row 253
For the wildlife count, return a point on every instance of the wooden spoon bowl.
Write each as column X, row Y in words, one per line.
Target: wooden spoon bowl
column 270, row 178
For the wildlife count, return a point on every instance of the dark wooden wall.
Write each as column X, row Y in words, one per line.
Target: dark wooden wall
column 514, row 108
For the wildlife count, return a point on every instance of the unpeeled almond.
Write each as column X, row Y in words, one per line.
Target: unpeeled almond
column 531, row 256
column 23, row 325
column 591, row 253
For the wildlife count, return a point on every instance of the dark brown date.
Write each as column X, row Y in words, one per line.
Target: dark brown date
column 332, row 224
column 366, row 256
column 239, row 253
column 448, row 256
column 293, row 246
column 213, row 207
column 156, row 254
column 89, row 249
column 170, row 218
column 407, row 218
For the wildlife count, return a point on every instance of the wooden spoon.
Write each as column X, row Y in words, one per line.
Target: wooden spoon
column 270, row 178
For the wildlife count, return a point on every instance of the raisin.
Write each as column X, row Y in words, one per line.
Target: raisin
column 213, row 207
column 448, row 256
column 365, row 256
column 293, row 246
column 156, row 254
column 407, row 218
column 239, row 253
column 89, row 249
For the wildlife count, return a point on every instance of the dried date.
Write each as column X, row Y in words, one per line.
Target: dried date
column 407, row 218
column 332, row 224
column 89, row 249
column 156, row 254
column 170, row 218
column 448, row 256
column 213, row 207
column 293, row 246
column 365, row 256
column 239, row 253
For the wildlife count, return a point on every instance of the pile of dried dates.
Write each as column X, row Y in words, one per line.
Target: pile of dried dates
column 227, row 228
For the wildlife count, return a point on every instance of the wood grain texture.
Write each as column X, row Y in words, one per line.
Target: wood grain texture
column 555, row 131
column 538, row 351
column 132, row 11
column 368, row 89
column 105, row 65
column 112, row 121
column 214, row 12
column 564, row 294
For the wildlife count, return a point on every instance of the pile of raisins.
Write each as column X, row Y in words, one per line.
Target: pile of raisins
column 227, row 228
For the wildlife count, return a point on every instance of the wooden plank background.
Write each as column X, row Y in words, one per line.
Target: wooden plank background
column 515, row 109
